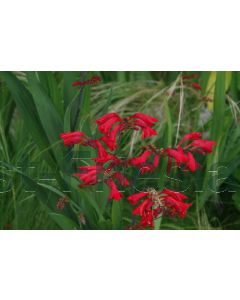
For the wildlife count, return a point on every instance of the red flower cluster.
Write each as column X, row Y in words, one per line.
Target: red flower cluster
column 137, row 121
column 195, row 85
column 165, row 203
column 89, row 176
column 93, row 80
column 110, row 125
column 183, row 155
column 150, row 204
column 77, row 137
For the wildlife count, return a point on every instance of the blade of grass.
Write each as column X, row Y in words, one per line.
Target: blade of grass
column 27, row 108
column 216, row 131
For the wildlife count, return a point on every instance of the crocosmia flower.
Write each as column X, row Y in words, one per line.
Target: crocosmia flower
column 142, row 162
column 196, row 86
column 73, row 138
column 150, row 204
column 190, row 136
column 165, row 203
column 111, row 124
column 202, row 146
column 91, row 175
column 183, row 155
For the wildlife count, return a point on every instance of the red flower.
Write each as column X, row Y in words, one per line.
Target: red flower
column 182, row 159
column 141, row 161
column 147, row 131
column 114, row 192
column 89, row 176
column 72, row 138
column 134, row 198
column 111, row 124
column 177, row 154
column 107, row 117
column 150, row 121
column 144, row 209
column 174, row 205
column 77, row 83
column 145, row 205
column 93, row 80
column 148, row 216
column 98, row 78
column 166, row 203
column 190, row 136
column 196, row 86
column 111, row 139
column 121, row 178
column 184, row 155
column 105, row 127
column 204, row 146
column 191, row 164
column 177, row 195
column 103, row 155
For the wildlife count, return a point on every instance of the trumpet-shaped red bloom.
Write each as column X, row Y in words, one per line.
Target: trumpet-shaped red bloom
column 190, row 136
column 166, row 203
column 178, row 155
column 93, row 80
column 141, row 162
column 191, row 163
column 173, row 204
column 88, row 174
column 182, row 158
column 91, row 175
column 111, row 124
column 111, row 138
column 196, row 86
column 202, row 146
column 114, row 192
column 183, row 155
column 136, row 197
column 73, row 138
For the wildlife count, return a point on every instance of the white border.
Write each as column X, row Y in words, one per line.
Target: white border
column 119, row 265
column 119, row 35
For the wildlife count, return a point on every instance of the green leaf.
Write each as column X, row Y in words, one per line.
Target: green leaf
column 63, row 222
column 236, row 199
column 117, row 214
column 216, row 131
column 218, row 107
column 48, row 115
column 70, row 92
column 28, row 111
column 50, row 84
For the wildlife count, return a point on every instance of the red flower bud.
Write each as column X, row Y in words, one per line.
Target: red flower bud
column 196, row 86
